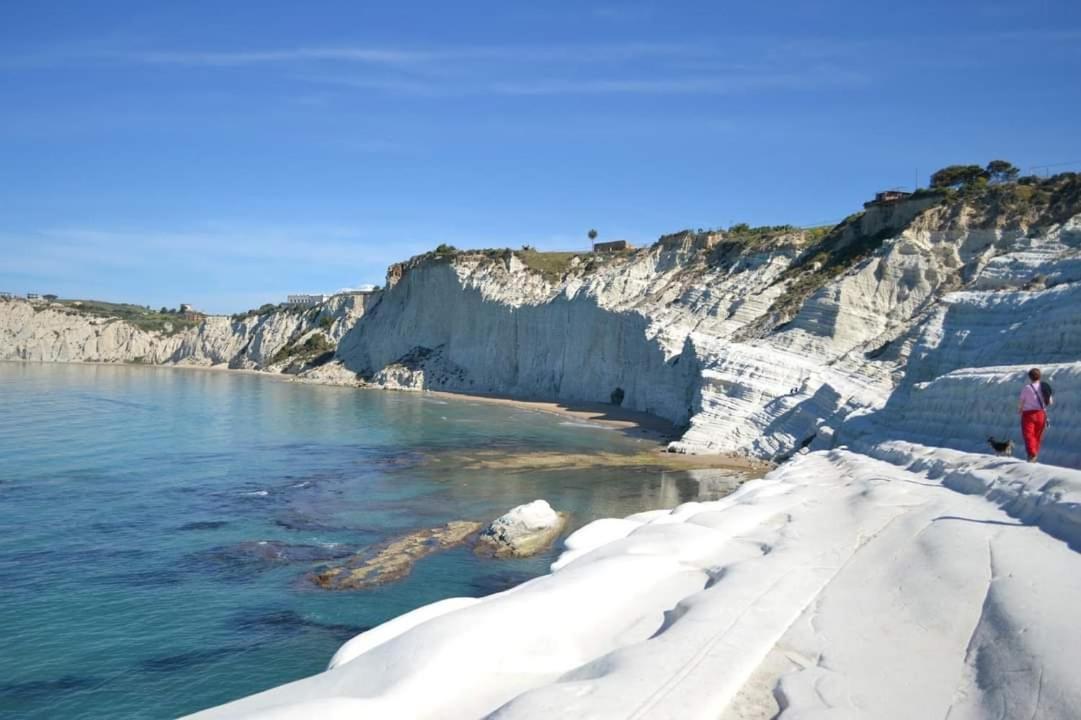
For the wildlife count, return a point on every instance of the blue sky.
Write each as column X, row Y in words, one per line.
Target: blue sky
column 226, row 154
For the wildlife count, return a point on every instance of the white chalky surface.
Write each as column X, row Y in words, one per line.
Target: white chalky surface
column 886, row 592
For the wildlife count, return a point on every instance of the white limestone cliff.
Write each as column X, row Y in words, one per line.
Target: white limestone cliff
column 757, row 349
column 56, row 332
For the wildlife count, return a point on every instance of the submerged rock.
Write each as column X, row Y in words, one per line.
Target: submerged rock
column 396, row 559
column 521, row 532
column 241, row 560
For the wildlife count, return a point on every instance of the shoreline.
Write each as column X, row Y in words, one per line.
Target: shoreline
column 632, row 423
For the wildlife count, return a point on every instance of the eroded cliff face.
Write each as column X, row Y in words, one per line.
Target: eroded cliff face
column 491, row 325
column 757, row 348
column 59, row 333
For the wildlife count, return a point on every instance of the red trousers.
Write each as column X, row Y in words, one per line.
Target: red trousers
column 1033, row 423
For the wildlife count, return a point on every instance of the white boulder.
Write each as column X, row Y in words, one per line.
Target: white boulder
column 521, row 532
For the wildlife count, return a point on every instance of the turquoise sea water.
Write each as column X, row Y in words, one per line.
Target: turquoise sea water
column 156, row 525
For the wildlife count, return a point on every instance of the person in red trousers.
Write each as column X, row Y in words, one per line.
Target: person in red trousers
column 1035, row 398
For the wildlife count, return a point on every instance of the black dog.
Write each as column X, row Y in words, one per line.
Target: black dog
column 1001, row 447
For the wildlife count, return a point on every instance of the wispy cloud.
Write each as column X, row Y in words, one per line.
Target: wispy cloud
column 621, row 52
column 367, row 55
column 632, row 68
column 807, row 79
column 374, row 56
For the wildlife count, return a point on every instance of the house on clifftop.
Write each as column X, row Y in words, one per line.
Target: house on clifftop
column 303, row 300
column 612, row 246
column 888, row 197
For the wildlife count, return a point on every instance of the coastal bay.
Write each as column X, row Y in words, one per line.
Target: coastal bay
column 161, row 523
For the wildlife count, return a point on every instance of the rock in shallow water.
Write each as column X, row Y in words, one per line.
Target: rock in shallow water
column 396, row 560
column 523, row 531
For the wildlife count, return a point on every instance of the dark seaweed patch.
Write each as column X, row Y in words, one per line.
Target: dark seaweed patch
column 127, row 553
column 247, row 558
column 180, row 661
column 110, row 528
column 12, row 693
column 495, row 582
column 114, row 401
column 289, row 622
column 144, row 578
column 296, row 520
column 204, row 525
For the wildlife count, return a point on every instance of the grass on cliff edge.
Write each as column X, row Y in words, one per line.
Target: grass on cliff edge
column 552, row 265
column 137, row 315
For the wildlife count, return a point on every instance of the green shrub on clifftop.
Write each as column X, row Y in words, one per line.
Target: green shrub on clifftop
column 163, row 321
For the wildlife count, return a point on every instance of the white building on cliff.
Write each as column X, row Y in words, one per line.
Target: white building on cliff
column 303, row 300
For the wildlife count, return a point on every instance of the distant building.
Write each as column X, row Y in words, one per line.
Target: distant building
column 887, row 197
column 612, row 246
column 187, row 312
column 33, row 297
column 6, row 296
column 307, row 300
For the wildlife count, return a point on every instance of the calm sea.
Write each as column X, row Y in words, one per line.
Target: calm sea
column 156, row 525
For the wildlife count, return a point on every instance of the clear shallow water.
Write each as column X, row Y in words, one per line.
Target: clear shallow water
column 156, row 525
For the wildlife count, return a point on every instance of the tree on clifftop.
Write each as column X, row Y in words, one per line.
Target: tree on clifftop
column 955, row 176
column 592, row 234
column 1001, row 171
